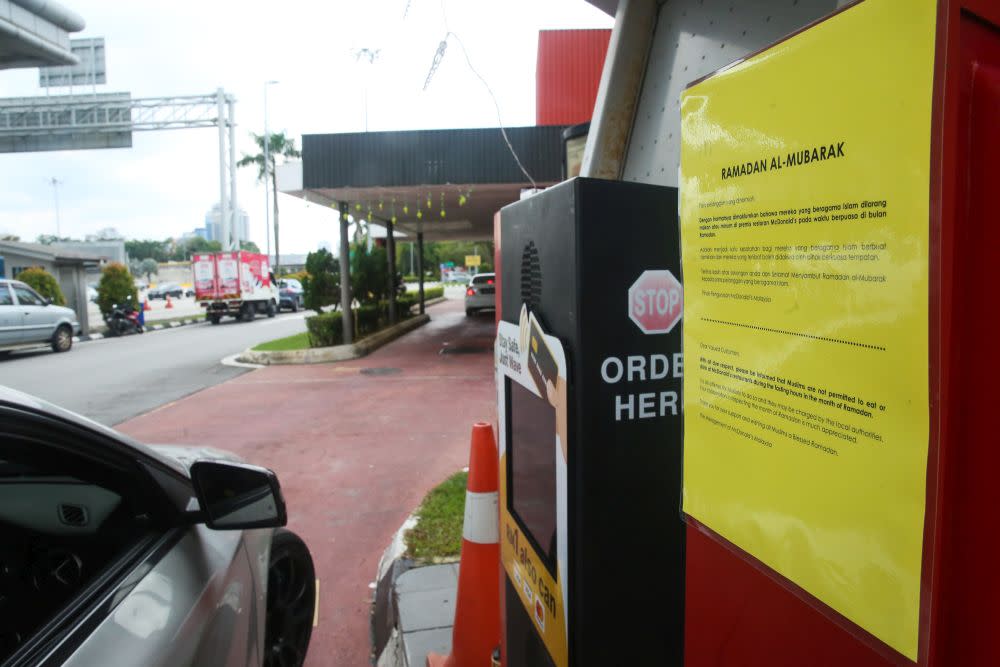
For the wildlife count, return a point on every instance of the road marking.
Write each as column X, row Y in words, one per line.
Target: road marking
column 316, row 606
column 284, row 318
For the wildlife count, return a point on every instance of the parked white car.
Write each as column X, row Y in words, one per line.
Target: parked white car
column 28, row 319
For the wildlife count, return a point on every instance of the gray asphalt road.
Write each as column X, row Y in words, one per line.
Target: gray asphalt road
column 112, row 380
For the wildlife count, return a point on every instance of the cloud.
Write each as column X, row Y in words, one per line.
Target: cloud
column 167, row 181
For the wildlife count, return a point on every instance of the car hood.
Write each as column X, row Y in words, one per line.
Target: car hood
column 62, row 310
column 185, row 455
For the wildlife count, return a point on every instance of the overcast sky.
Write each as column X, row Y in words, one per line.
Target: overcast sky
column 167, row 181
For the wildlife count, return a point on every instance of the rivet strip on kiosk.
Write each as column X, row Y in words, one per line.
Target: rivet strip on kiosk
column 589, row 374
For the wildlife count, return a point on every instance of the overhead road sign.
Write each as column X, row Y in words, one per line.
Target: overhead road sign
column 90, row 70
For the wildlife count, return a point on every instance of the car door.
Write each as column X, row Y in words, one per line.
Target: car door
column 37, row 321
column 10, row 317
column 161, row 593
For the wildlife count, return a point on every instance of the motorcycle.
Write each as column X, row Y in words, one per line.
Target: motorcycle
column 122, row 320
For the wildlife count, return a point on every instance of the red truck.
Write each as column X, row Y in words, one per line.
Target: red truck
column 239, row 284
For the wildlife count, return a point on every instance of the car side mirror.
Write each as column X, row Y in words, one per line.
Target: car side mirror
column 47, row 301
column 234, row 496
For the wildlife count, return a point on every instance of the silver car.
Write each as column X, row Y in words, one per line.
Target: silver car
column 480, row 293
column 28, row 319
column 117, row 553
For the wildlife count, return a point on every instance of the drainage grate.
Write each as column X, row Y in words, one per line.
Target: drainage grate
column 382, row 370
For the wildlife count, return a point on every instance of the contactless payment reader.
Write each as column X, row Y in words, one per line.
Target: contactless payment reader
column 589, row 370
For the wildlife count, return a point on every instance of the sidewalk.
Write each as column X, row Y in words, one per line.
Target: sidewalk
column 423, row 607
column 185, row 307
column 356, row 446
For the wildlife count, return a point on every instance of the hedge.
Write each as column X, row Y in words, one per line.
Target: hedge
column 367, row 319
column 325, row 329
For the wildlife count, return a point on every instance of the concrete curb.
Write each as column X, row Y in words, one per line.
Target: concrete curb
column 322, row 355
column 385, row 638
column 97, row 333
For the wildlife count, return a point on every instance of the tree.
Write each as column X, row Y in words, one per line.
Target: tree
column 140, row 250
column 249, row 246
column 49, row 239
column 106, row 234
column 278, row 145
column 183, row 250
column 322, row 282
column 116, row 288
column 149, row 267
column 9, row 237
column 44, row 283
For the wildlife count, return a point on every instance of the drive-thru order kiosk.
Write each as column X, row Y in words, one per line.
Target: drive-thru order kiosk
column 589, row 371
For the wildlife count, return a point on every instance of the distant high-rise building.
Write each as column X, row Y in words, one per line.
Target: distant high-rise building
column 213, row 224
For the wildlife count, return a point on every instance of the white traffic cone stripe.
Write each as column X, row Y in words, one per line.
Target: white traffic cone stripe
column 482, row 517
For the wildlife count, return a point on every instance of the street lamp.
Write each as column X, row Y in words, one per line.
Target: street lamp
column 55, row 193
column 267, row 168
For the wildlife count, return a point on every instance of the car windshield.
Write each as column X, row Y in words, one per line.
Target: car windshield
column 483, row 279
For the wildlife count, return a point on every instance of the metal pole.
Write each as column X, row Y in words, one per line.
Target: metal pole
column 235, row 215
column 267, row 181
column 220, row 102
column 411, row 258
column 390, row 251
column 55, row 195
column 420, row 267
column 345, row 278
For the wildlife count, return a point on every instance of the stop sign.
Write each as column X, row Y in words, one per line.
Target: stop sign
column 656, row 301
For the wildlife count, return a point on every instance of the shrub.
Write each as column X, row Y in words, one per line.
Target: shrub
column 404, row 304
column 367, row 317
column 298, row 275
column 369, row 278
column 322, row 281
column 116, row 288
column 325, row 329
column 410, row 278
column 433, row 293
column 44, row 283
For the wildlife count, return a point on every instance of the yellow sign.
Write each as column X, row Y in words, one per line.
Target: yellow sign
column 805, row 204
column 473, row 260
column 532, row 364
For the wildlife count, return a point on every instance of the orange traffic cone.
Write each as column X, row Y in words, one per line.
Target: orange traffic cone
column 476, row 632
column 170, row 304
column 146, row 306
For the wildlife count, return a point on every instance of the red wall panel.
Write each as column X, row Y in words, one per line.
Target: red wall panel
column 966, row 614
column 567, row 74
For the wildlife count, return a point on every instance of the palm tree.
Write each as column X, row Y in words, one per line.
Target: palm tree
column 278, row 144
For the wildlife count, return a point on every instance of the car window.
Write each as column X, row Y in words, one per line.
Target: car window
column 483, row 279
column 5, row 297
column 27, row 297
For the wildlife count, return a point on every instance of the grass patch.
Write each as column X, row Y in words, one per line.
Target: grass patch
column 438, row 533
column 299, row 341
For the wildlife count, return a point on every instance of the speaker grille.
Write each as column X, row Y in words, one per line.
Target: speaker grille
column 531, row 277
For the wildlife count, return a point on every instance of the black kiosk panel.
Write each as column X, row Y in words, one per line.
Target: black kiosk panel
column 588, row 258
column 532, row 486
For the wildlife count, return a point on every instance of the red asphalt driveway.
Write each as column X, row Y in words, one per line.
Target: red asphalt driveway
column 355, row 452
